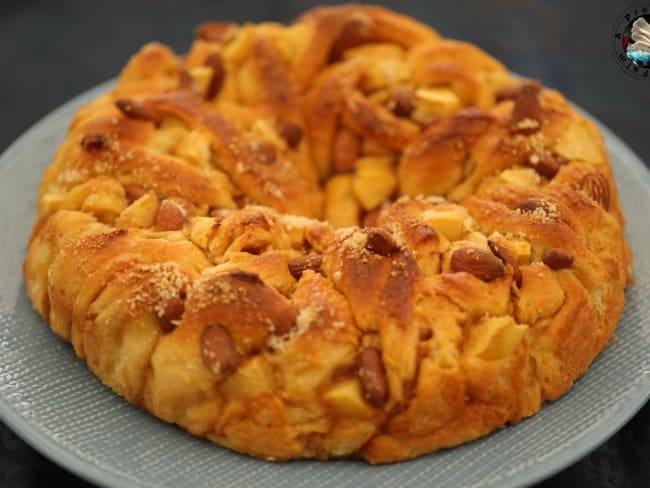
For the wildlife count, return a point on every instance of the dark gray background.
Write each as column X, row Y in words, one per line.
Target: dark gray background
column 51, row 51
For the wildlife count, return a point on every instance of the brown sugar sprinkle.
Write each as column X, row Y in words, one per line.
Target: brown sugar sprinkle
column 557, row 258
column 402, row 102
column 300, row 264
column 160, row 284
column 94, row 141
column 479, row 262
column 215, row 61
column 96, row 241
column 381, row 242
column 373, row 376
column 505, row 256
column 531, row 204
column 136, row 110
column 290, row 132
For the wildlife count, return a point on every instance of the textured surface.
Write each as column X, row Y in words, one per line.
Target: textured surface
column 277, row 364
column 562, row 43
column 58, row 405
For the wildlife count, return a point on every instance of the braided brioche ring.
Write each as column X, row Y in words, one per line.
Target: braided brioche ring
column 468, row 264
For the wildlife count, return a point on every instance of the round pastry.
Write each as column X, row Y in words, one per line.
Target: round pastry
column 346, row 236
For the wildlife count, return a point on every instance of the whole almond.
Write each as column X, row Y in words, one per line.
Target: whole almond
column 136, row 110
column 505, row 256
column 172, row 311
column 402, row 102
column 538, row 207
column 380, row 242
column 218, row 350
column 94, row 141
column 557, row 258
column 531, row 204
column 174, row 213
column 419, row 234
column 596, row 186
column 134, row 192
column 215, row 61
column 300, row 264
column 241, row 200
column 545, row 164
column 279, row 314
column 290, row 132
column 373, row 376
column 263, row 151
column 345, row 150
column 511, row 92
column 479, row 262
column 527, row 112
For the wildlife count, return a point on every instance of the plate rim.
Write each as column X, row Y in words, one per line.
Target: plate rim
column 568, row 455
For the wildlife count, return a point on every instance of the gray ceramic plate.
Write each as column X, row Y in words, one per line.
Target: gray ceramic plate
column 54, row 403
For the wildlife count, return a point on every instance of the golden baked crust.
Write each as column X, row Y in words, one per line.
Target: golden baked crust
column 469, row 264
